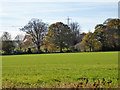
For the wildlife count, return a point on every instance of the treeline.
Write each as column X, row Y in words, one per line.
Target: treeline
column 106, row 37
column 59, row 37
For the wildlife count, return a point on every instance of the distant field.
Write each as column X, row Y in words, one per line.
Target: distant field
column 60, row 70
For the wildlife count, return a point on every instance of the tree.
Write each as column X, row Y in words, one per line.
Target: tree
column 19, row 41
column 7, row 46
column 6, row 36
column 60, row 35
column 91, row 42
column 100, row 26
column 75, row 27
column 81, row 45
column 99, row 34
column 108, row 34
column 49, row 44
column 114, row 27
column 37, row 29
column 28, row 43
column 114, row 24
column 112, row 34
column 7, row 43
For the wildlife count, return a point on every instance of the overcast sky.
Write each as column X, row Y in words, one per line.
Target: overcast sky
column 16, row 13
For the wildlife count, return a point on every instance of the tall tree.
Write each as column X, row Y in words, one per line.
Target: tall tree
column 109, row 34
column 114, row 24
column 19, row 41
column 7, row 43
column 60, row 35
column 37, row 29
column 6, row 36
column 75, row 27
column 91, row 42
column 112, row 34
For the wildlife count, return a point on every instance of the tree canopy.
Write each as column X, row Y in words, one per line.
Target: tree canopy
column 60, row 35
column 37, row 29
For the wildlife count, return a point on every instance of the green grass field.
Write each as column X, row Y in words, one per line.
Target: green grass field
column 60, row 70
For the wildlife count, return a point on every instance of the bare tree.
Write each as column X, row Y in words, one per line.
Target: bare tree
column 75, row 27
column 37, row 29
column 6, row 36
column 7, row 43
column 19, row 41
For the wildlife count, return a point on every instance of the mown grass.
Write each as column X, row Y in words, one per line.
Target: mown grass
column 60, row 70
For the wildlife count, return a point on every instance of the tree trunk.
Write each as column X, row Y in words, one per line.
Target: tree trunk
column 90, row 49
column 93, row 49
column 61, row 49
column 84, row 49
column 20, row 49
column 60, row 46
column 38, row 48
